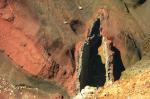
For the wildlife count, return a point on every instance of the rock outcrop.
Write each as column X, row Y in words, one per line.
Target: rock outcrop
column 47, row 38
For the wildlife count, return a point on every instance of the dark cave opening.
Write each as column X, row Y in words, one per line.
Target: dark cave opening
column 118, row 64
column 93, row 70
column 96, row 28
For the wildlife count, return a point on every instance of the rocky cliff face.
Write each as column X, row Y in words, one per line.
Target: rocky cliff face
column 48, row 38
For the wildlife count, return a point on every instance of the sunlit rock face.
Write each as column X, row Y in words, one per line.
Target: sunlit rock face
column 45, row 38
column 117, row 30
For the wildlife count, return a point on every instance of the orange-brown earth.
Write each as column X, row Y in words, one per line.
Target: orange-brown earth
column 41, row 45
column 18, row 41
column 134, row 84
column 135, row 87
column 15, row 44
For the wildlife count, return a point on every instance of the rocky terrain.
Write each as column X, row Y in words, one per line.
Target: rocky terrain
column 133, row 84
column 74, row 48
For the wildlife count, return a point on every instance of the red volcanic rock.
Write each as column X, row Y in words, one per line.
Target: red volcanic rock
column 29, row 56
column 17, row 43
column 21, row 49
column 3, row 3
column 25, row 23
column 18, row 40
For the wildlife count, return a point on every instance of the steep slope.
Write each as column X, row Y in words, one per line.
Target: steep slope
column 134, row 84
column 44, row 37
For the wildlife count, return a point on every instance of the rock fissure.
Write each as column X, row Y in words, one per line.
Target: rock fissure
column 92, row 68
column 43, row 39
column 93, row 71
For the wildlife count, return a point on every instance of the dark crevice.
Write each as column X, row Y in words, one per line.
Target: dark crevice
column 127, row 9
column 92, row 70
column 95, row 29
column 71, row 54
column 72, row 50
column 133, row 3
column 118, row 64
column 141, row 2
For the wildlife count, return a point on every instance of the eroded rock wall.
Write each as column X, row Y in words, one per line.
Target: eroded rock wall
column 45, row 37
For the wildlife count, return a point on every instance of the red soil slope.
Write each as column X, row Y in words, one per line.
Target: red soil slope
column 20, row 48
column 18, row 40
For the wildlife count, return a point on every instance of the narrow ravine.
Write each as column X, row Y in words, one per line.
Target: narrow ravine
column 92, row 68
